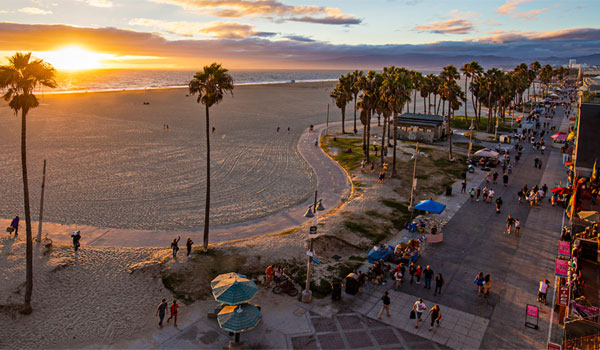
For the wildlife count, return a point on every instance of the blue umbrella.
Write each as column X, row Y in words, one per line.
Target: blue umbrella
column 233, row 288
column 431, row 206
column 239, row 318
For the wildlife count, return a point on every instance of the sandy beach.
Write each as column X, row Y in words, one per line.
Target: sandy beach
column 111, row 164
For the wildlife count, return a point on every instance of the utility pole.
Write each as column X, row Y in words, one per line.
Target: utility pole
column 471, row 128
column 39, row 236
column 413, row 185
column 311, row 212
column 327, row 127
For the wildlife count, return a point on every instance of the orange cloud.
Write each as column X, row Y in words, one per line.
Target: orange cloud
column 510, row 8
column 452, row 26
column 224, row 30
column 267, row 9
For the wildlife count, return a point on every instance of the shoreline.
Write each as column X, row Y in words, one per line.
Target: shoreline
column 174, row 87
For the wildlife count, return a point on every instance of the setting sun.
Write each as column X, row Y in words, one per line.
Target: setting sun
column 74, row 58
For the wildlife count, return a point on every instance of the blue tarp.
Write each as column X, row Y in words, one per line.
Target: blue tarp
column 380, row 253
column 431, row 206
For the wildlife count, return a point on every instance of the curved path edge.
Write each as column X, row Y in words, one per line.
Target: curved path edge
column 333, row 183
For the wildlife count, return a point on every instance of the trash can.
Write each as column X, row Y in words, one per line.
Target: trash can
column 449, row 191
column 336, row 291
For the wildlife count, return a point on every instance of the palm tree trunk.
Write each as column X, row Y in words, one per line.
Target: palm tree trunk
column 434, row 102
column 395, row 122
column 424, row 105
column 429, row 104
column 415, row 103
column 489, row 111
column 389, row 132
column 449, row 128
column 207, row 205
column 466, row 101
column 343, row 119
column 29, row 249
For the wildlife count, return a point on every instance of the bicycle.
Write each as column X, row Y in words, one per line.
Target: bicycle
column 285, row 286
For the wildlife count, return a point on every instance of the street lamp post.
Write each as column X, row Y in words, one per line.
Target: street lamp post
column 471, row 128
column 311, row 213
column 414, row 181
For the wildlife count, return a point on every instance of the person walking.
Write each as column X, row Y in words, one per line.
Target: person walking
column 161, row 310
column 472, row 194
column 520, row 196
column 278, row 274
column 428, row 274
column 435, row 315
column 174, row 313
column 509, row 223
column 14, row 224
column 498, row 205
column 398, row 277
column 411, row 271
column 76, row 237
column 543, row 291
column 505, row 179
column 418, row 274
column 495, row 176
column 175, row 246
column 188, row 245
column 419, row 307
column 487, row 284
column 385, row 305
column 517, row 227
column 463, row 188
column 439, row 283
column 479, row 279
column 477, row 193
column 269, row 272
column 487, row 177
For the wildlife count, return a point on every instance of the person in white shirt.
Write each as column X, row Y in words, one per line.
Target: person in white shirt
column 543, row 291
column 419, row 307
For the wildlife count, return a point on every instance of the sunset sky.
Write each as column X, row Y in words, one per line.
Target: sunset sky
column 292, row 33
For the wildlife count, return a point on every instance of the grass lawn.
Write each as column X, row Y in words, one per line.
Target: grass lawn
column 465, row 145
column 336, row 149
column 460, row 122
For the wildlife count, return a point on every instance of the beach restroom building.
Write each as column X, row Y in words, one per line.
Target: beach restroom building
column 420, row 127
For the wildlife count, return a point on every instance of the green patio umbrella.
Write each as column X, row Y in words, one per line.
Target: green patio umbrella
column 239, row 318
column 233, row 289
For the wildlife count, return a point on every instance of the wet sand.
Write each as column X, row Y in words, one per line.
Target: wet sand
column 111, row 164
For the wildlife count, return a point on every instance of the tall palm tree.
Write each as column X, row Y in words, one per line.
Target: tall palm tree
column 449, row 75
column 211, row 85
column 355, row 89
column 19, row 79
column 470, row 70
column 417, row 84
column 396, row 92
column 535, row 67
column 546, row 77
column 522, row 73
column 342, row 94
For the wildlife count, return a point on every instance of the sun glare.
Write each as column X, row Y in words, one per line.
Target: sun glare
column 74, row 58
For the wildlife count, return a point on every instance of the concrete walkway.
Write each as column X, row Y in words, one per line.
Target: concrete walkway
column 333, row 184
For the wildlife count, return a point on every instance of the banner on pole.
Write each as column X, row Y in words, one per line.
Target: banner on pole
column 561, row 268
column 564, row 248
column 563, row 296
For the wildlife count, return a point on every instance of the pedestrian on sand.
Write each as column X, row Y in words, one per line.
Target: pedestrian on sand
column 278, row 274
column 175, row 246
column 188, row 245
column 439, row 283
column 487, row 284
column 479, row 279
column 436, row 316
column 418, row 274
column 76, row 237
column 419, row 307
column 161, row 311
column 463, row 189
column 385, row 305
column 277, row 129
column 15, row 225
column 174, row 307
column 428, row 274
column 288, row 130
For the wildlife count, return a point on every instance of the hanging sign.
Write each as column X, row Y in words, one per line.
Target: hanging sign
column 564, row 249
column 561, row 268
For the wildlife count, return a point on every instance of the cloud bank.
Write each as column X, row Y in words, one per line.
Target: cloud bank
column 256, row 51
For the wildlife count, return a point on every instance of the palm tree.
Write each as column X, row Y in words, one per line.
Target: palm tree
column 417, row 84
column 470, row 70
column 342, row 94
column 535, row 67
column 522, row 72
column 449, row 75
column 211, row 85
column 20, row 78
column 396, row 92
column 546, row 77
column 355, row 89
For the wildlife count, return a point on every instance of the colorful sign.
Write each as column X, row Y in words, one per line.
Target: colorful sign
column 552, row 346
column 561, row 268
column 587, row 310
column 532, row 310
column 563, row 296
column 564, row 248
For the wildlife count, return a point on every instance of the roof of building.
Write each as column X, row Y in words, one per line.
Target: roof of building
column 420, row 119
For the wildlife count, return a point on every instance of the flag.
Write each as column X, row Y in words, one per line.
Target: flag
column 573, row 201
column 594, row 170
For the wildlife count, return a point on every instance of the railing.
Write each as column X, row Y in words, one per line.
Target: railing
column 591, row 342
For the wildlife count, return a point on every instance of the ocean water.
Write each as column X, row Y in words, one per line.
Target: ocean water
column 126, row 79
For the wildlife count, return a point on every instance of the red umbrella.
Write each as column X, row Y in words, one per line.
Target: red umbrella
column 568, row 163
column 562, row 190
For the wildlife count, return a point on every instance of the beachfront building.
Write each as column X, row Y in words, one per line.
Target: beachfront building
column 587, row 143
column 420, row 127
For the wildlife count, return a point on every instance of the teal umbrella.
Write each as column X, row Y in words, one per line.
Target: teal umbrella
column 233, row 288
column 239, row 318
